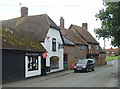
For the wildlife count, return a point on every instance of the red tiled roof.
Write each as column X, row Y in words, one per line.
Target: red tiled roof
column 71, row 35
column 110, row 50
column 102, row 50
column 85, row 34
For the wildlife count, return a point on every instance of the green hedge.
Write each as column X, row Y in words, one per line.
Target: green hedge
column 112, row 58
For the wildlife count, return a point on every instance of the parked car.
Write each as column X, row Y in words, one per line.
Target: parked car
column 84, row 65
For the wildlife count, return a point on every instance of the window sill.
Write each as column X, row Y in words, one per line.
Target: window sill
column 55, row 68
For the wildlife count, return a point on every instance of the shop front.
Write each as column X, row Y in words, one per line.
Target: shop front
column 32, row 64
column 19, row 65
column 35, row 64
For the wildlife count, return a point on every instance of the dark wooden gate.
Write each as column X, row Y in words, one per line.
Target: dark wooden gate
column 65, row 61
column 43, row 66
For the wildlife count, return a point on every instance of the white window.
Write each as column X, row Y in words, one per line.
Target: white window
column 32, row 63
column 107, row 52
column 97, row 47
column 80, row 47
column 83, row 48
column 89, row 46
column 32, row 66
column 113, row 52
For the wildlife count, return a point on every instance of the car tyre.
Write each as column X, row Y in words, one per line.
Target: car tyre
column 75, row 71
column 93, row 69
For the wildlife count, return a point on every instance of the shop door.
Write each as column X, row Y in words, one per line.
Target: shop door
column 43, row 66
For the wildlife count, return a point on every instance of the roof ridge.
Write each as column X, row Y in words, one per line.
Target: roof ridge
column 46, row 18
column 90, row 34
column 79, row 36
column 23, row 17
column 86, row 31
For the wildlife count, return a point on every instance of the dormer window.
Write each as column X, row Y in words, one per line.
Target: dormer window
column 53, row 44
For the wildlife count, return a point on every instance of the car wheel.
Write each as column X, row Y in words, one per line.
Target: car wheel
column 75, row 71
column 93, row 69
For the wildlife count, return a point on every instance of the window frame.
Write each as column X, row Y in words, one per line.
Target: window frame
column 53, row 44
column 32, row 63
column 107, row 52
column 54, row 64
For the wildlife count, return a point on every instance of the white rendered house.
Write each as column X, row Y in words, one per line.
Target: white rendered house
column 54, row 45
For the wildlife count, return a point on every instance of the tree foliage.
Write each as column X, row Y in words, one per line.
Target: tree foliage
column 110, row 22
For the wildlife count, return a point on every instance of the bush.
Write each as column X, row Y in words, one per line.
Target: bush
column 117, row 54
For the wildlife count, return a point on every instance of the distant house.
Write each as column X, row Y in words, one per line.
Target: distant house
column 93, row 50
column 111, row 52
column 75, row 47
column 21, row 55
column 45, row 31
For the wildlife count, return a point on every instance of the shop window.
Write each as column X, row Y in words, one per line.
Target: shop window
column 54, row 62
column 53, row 44
column 32, row 63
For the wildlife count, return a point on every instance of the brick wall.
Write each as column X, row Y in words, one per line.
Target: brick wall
column 102, row 59
column 93, row 49
column 74, row 53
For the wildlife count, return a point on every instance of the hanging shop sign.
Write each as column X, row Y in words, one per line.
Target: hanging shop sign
column 60, row 46
column 44, row 55
column 32, row 54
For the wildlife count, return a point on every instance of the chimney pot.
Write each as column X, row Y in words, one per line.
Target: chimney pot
column 62, row 22
column 84, row 25
column 24, row 11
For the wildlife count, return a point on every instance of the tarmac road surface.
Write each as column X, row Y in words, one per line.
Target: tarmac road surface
column 105, row 76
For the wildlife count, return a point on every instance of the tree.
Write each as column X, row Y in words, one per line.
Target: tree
column 110, row 22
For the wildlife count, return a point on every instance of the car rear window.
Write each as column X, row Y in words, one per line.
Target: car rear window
column 90, row 61
column 82, row 62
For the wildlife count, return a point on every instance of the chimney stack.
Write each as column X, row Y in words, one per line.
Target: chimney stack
column 85, row 26
column 24, row 11
column 62, row 22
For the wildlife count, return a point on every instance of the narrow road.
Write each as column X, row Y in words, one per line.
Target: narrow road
column 105, row 76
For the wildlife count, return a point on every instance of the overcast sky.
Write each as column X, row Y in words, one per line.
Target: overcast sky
column 73, row 11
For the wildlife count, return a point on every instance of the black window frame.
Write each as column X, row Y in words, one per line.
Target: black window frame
column 33, row 62
column 53, row 44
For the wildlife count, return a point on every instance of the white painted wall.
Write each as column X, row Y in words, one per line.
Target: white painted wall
column 53, row 33
column 35, row 72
